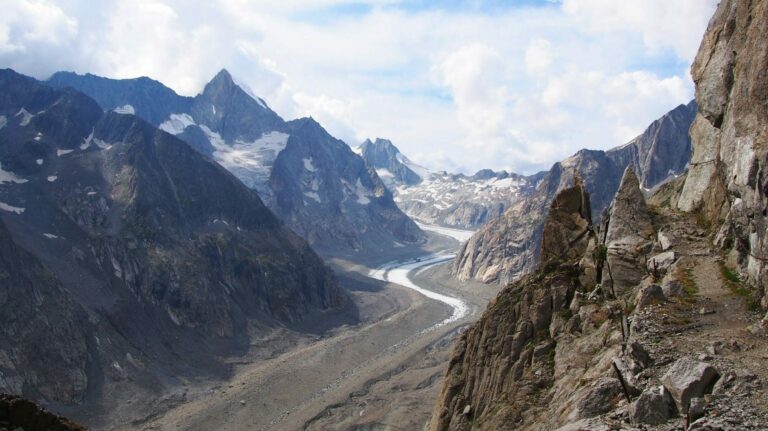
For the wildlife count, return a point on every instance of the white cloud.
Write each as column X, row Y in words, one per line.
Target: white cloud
column 538, row 56
column 27, row 22
column 662, row 24
column 517, row 88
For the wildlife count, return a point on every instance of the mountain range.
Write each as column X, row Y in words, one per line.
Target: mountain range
column 312, row 181
column 509, row 246
column 441, row 198
column 128, row 259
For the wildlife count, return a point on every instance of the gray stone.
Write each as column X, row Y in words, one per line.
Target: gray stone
column 696, row 408
column 654, row 406
column 649, row 295
column 688, row 378
column 599, row 398
column 639, row 355
column 665, row 240
column 628, row 236
column 672, row 287
column 660, row 263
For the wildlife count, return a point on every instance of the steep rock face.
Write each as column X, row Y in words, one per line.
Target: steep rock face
column 508, row 247
column 131, row 258
column 541, row 356
column 628, row 236
column 442, row 198
column 514, row 362
column 45, row 334
column 331, row 199
column 727, row 181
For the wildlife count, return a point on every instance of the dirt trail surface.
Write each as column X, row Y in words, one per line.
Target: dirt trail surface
column 399, row 330
column 710, row 322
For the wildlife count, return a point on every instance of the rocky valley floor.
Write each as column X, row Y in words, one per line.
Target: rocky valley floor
column 383, row 370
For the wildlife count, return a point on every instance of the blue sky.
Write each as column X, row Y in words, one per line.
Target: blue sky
column 457, row 85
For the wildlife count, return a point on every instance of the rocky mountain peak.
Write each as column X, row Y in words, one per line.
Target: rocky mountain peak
column 391, row 165
column 567, row 230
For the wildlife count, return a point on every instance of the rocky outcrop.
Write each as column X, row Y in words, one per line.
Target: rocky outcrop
column 628, row 236
column 129, row 259
column 314, row 182
column 570, row 346
column 504, row 368
column 393, row 168
column 508, row 247
column 727, row 181
column 18, row 414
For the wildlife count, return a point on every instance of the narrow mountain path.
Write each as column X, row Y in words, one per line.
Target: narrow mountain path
column 710, row 321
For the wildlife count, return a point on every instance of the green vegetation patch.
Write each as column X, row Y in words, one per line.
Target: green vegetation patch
column 738, row 287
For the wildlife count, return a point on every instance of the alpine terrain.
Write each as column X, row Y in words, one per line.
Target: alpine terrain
column 444, row 199
column 129, row 261
column 309, row 179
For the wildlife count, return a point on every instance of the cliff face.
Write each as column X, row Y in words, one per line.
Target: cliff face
column 503, row 367
column 508, row 247
column 728, row 181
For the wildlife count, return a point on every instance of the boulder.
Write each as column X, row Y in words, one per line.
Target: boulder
column 654, row 407
column 659, row 264
column 649, row 295
column 672, row 287
column 687, row 379
column 601, row 397
column 696, row 408
column 665, row 240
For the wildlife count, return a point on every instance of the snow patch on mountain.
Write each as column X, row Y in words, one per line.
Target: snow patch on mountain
column 10, row 177
column 308, row 165
column 176, row 123
column 5, row 207
column 251, row 162
column 87, row 141
column 125, row 109
column 26, row 117
column 313, row 195
column 417, row 169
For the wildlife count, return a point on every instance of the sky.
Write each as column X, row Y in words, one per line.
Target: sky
column 456, row 85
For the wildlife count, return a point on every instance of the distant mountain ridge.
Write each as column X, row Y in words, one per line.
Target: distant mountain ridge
column 311, row 180
column 129, row 260
column 441, row 198
column 509, row 246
